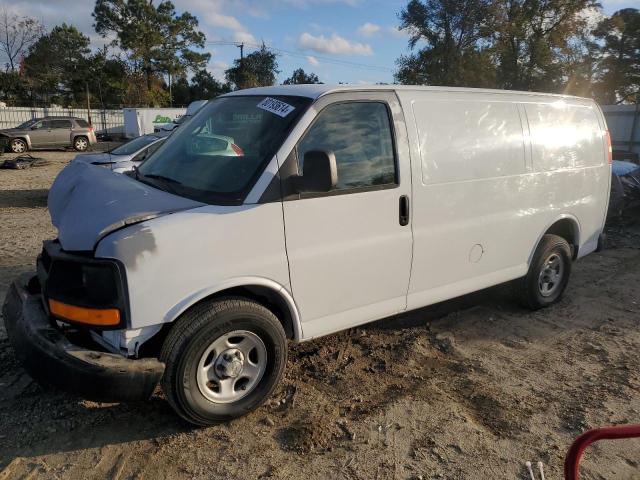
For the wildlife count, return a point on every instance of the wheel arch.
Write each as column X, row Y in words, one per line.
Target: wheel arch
column 264, row 291
column 566, row 226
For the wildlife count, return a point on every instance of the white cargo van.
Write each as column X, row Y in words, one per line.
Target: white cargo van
column 344, row 205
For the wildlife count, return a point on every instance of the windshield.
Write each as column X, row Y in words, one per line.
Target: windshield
column 218, row 154
column 134, row 145
column 28, row 123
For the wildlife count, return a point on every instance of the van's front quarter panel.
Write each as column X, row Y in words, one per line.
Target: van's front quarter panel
column 174, row 261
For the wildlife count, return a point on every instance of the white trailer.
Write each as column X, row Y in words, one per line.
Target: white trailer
column 141, row 121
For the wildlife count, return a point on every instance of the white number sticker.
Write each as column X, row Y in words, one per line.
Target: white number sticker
column 276, row 106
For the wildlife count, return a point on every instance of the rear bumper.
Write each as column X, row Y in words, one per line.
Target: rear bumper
column 50, row 358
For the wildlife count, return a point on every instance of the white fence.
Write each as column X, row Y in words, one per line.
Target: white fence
column 623, row 122
column 104, row 121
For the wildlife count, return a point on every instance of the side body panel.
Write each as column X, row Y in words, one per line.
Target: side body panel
column 176, row 260
column 482, row 199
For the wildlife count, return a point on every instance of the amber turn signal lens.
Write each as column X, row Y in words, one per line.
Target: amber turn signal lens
column 102, row 317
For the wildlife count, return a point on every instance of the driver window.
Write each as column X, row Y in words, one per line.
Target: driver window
column 359, row 135
column 40, row 125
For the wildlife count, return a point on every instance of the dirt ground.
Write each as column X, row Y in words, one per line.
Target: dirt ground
column 467, row 389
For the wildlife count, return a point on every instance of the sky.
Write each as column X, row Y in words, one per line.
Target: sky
column 352, row 41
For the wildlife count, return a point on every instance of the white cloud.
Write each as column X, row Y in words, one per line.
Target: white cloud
column 210, row 14
column 368, row 29
column 313, row 61
column 396, row 32
column 216, row 19
column 217, row 68
column 244, row 36
column 308, row 3
column 334, row 44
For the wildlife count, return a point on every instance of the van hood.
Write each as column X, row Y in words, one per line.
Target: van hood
column 86, row 203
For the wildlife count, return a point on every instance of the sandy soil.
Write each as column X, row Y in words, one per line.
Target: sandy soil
column 470, row 388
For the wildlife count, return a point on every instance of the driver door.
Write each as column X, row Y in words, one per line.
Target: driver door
column 349, row 249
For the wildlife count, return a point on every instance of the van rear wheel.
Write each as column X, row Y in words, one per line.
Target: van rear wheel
column 223, row 359
column 548, row 273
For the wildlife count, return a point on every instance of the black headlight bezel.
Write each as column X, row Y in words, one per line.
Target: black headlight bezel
column 58, row 275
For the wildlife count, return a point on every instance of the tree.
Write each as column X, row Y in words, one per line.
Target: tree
column 14, row 90
column 300, row 77
column 452, row 32
column 17, row 34
column 59, row 59
column 620, row 57
column 205, row 87
column 258, row 69
column 107, row 78
column 156, row 38
column 530, row 40
column 202, row 87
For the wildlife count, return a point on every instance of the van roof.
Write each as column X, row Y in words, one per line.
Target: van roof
column 316, row 91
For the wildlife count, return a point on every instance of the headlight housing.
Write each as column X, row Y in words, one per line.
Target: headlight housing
column 83, row 290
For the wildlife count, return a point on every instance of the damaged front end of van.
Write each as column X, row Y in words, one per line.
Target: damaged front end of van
column 55, row 318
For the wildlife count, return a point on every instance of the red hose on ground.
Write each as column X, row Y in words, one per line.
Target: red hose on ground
column 572, row 460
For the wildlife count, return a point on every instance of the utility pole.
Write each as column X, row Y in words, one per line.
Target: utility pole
column 88, row 103
column 241, row 47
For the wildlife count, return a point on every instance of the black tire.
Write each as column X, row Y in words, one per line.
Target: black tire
column 190, row 338
column 18, row 145
column 81, row 143
column 534, row 291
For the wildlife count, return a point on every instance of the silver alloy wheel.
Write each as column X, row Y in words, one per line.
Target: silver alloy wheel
column 551, row 275
column 18, row 146
column 231, row 366
column 81, row 144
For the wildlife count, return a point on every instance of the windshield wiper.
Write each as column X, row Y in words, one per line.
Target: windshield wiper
column 158, row 181
column 161, row 177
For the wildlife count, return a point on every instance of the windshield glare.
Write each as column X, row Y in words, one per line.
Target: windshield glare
column 134, row 145
column 218, row 154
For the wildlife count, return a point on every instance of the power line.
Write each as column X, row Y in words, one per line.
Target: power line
column 334, row 61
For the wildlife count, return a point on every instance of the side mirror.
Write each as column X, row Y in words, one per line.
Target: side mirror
column 319, row 172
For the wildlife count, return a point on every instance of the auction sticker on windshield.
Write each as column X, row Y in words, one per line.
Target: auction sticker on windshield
column 272, row 105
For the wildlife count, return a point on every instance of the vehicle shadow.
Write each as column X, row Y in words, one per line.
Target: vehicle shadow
column 23, row 198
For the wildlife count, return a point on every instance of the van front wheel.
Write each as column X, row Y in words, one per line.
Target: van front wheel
column 223, row 359
column 548, row 273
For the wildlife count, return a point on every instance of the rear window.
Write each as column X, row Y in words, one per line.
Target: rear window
column 60, row 123
column 82, row 123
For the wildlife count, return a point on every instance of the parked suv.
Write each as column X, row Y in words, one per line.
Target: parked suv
column 50, row 132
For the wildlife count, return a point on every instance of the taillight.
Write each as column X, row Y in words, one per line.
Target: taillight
column 609, row 147
column 237, row 149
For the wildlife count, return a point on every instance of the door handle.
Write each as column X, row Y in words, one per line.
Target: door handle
column 404, row 210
